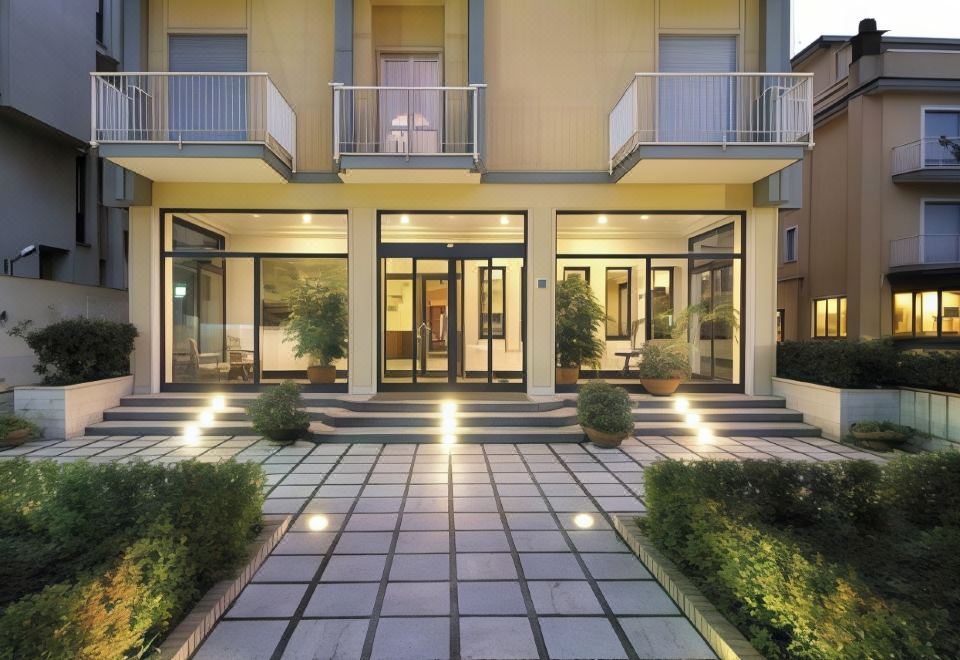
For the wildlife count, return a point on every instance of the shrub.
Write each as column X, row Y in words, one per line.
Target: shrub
column 828, row 560
column 604, row 408
column 79, row 350
column 278, row 412
column 867, row 364
column 877, row 427
column 663, row 362
column 11, row 423
column 579, row 316
column 101, row 560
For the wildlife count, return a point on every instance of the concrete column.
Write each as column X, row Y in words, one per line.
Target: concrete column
column 760, row 309
column 362, row 247
column 144, row 297
column 541, row 265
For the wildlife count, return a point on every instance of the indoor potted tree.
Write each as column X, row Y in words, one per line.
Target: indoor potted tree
column 579, row 317
column 663, row 367
column 317, row 325
column 278, row 413
column 604, row 413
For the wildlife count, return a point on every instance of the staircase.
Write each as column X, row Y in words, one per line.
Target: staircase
column 541, row 419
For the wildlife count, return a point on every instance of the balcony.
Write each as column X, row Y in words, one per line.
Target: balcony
column 710, row 127
column 406, row 134
column 930, row 160
column 926, row 250
column 195, row 127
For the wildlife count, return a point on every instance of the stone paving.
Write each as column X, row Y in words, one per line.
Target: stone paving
column 449, row 551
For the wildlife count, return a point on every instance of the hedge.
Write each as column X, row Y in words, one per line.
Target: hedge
column 101, row 560
column 820, row 561
column 867, row 364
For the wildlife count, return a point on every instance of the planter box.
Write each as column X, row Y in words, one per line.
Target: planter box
column 834, row 409
column 64, row 412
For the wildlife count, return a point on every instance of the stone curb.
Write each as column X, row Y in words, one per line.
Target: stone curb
column 722, row 636
column 187, row 637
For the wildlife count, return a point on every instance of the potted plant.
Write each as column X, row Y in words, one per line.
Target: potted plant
column 880, row 436
column 579, row 317
column 278, row 414
column 16, row 430
column 663, row 367
column 317, row 325
column 604, row 413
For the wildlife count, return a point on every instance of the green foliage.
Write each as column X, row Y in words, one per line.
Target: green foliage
column 604, row 408
column 579, row 317
column 317, row 324
column 722, row 318
column 877, row 427
column 101, row 560
column 11, row 423
column 867, row 364
column 822, row 561
column 659, row 361
column 79, row 350
column 278, row 412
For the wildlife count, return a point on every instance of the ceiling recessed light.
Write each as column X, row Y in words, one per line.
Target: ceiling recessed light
column 504, row 220
column 404, row 219
column 644, row 217
column 307, row 218
column 256, row 215
column 602, row 219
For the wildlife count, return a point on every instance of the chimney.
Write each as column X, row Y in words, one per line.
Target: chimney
column 867, row 40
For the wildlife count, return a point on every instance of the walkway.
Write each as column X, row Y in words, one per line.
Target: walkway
column 432, row 551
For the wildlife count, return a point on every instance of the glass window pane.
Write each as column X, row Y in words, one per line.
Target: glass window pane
column 903, row 314
column 661, row 297
column 950, row 313
column 618, row 295
column 843, row 317
column 492, row 305
column 398, row 316
column 941, row 219
column 820, row 318
column 926, row 308
column 832, row 317
column 189, row 236
column 508, row 349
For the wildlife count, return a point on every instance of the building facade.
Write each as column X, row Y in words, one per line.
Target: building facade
column 874, row 251
column 440, row 166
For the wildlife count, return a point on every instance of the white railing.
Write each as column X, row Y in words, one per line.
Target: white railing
column 933, row 153
column 405, row 121
column 712, row 109
column 178, row 108
column 925, row 249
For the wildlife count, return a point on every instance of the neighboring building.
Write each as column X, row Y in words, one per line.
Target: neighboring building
column 444, row 163
column 875, row 249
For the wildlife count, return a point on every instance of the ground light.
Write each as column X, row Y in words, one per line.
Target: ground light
column 692, row 419
column 206, row 418
column 705, row 435
column 218, row 403
column 681, row 405
column 449, row 408
column 583, row 520
column 317, row 523
column 449, row 439
column 191, row 434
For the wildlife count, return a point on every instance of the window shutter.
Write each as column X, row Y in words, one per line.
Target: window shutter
column 208, row 52
column 698, row 54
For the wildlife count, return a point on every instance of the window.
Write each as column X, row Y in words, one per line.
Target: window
column 780, row 315
column 941, row 128
column 492, row 307
column 583, row 272
column 661, row 301
column 100, row 15
column 188, row 236
column 618, row 295
column 80, row 195
column 941, row 218
column 926, row 313
column 830, row 317
column 789, row 245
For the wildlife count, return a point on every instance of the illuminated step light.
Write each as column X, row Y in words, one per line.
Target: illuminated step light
column 692, row 419
column 218, row 403
column 449, row 408
column 705, row 435
column 583, row 520
column 681, row 405
column 191, row 434
column 206, row 418
column 449, row 439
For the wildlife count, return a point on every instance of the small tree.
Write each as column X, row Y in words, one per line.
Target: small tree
column 317, row 322
column 579, row 317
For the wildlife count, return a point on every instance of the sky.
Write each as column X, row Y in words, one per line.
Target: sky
column 906, row 18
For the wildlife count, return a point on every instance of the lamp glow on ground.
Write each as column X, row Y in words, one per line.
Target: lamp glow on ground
column 705, row 435
column 317, row 523
column 692, row 419
column 681, row 405
column 449, row 439
column 583, row 520
column 191, row 434
column 218, row 403
column 206, row 418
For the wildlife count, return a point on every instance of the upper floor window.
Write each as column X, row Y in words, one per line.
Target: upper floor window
column 100, row 21
column 941, row 218
column 780, row 315
column 789, row 245
column 926, row 313
column 941, row 130
column 830, row 317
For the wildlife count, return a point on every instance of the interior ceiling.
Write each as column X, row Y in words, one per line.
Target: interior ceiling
column 274, row 224
column 651, row 225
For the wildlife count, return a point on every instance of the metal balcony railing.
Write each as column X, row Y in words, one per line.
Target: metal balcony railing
column 933, row 153
column 405, row 121
column 925, row 249
column 179, row 108
column 712, row 109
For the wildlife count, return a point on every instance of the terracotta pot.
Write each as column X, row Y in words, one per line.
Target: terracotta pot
column 322, row 375
column 602, row 439
column 568, row 375
column 17, row 437
column 661, row 386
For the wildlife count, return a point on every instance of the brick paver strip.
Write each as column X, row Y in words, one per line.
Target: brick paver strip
column 460, row 551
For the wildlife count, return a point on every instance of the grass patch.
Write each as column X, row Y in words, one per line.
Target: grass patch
column 101, row 560
column 829, row 560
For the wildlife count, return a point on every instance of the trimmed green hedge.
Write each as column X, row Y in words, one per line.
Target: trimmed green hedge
column 820, row 561
column 100, row 560
column 867, row 364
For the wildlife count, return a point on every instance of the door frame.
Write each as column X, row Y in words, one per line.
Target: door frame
column 453, row 253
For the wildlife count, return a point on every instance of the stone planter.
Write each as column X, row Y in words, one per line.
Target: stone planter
column 65, row 411
column 15, row 438
column 879, row 440
column 322, row 375
column 568, row 375
column 834, row 409
column 601, row 439
column 661, row 386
